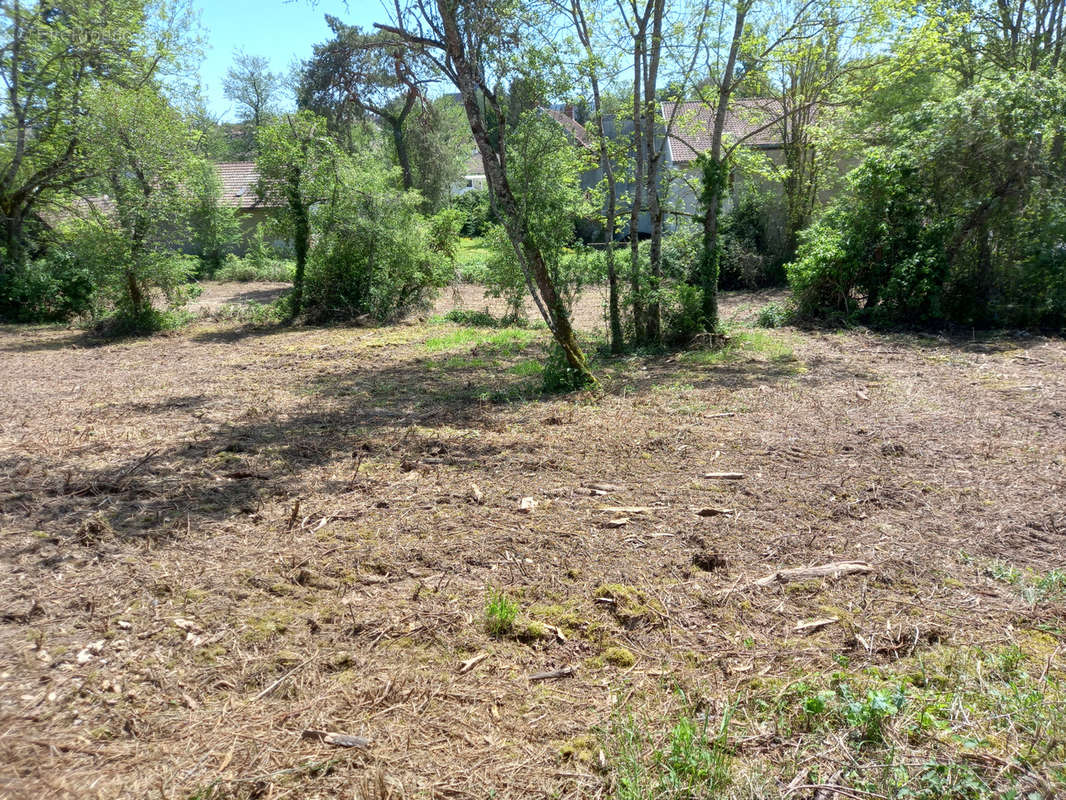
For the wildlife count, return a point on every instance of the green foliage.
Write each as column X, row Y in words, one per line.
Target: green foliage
column 444, row 227
column 477, row 212
column 361, row 245
column 544, row 173
column 251, row 268
column 503, row 276
column 750, row 258
column 690, row 762
column 682, row 306
column 56, row 60
column 143, row 147
column 481, row 319
column 773, row 315
column 500, row 613
column 215, row 228
column 372, row 255
column 438, row 141
column 558, row 375
column 54, row 288
column 959, row 219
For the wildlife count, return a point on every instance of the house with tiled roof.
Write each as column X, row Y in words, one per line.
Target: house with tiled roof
column 239, row 190
column 239, row 183
column 687, row 130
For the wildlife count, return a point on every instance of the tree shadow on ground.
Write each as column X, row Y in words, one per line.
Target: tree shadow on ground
column 257, row 456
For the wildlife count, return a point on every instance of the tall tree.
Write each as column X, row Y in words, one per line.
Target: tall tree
column 471, row 43
column 298, row 163
column 53, row 56
column 356, row 74
column 757, row 37
column 253, row 87
column 143, row 150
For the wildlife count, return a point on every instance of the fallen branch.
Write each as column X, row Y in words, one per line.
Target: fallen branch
column 470, row 663
column 815, row 624
column 337, row 739
column 565, row 672
column 833, row 570
column 281, row 680
column 724, row 476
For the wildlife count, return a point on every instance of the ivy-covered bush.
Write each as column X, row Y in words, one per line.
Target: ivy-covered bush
column 960, row 219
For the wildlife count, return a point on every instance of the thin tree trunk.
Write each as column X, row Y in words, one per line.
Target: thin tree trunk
column 653, row 320
column 577, row 13
column 638, row 185
column 301, row 243
column 715, row 177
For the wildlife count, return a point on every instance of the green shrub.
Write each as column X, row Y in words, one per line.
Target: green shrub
column 444, row 229
column 681, row 252
column 477, row 214
column 750, row 257
column 929, row 233
column 480, row 319
column 214, row 227
column 55, row 288
column 772, row 315
column 682, row 306
column 244, row 270
column 545, row 172
column 375, row 263
column 557, row 375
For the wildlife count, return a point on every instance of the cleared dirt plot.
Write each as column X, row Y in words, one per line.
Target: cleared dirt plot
column 262, row 562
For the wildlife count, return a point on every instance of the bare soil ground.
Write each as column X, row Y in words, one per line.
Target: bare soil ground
column 216, row 542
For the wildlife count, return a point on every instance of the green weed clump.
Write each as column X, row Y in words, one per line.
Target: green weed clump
column 689, row 760
column 500, row 613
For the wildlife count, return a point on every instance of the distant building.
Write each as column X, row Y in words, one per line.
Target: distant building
column 239, row 180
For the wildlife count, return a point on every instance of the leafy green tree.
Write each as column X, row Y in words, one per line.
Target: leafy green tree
column 215, row 228
column 300, row 164
column 54, row 56
column 438, row 141
column 144, row 151
column 254, row 88
column 471, row 44
column 358, row 74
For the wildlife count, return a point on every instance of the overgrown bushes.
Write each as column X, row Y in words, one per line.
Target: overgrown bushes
column 54, row 288
column 960, row 218
column 373, row 252
column 477, row 212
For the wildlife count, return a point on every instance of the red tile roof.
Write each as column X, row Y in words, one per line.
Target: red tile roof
column 692, row 123
column 571, row 126
column 239, row 179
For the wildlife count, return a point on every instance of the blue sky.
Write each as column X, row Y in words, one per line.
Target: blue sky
column 280, row 30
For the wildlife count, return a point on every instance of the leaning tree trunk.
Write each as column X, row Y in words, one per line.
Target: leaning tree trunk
column 529, row 256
